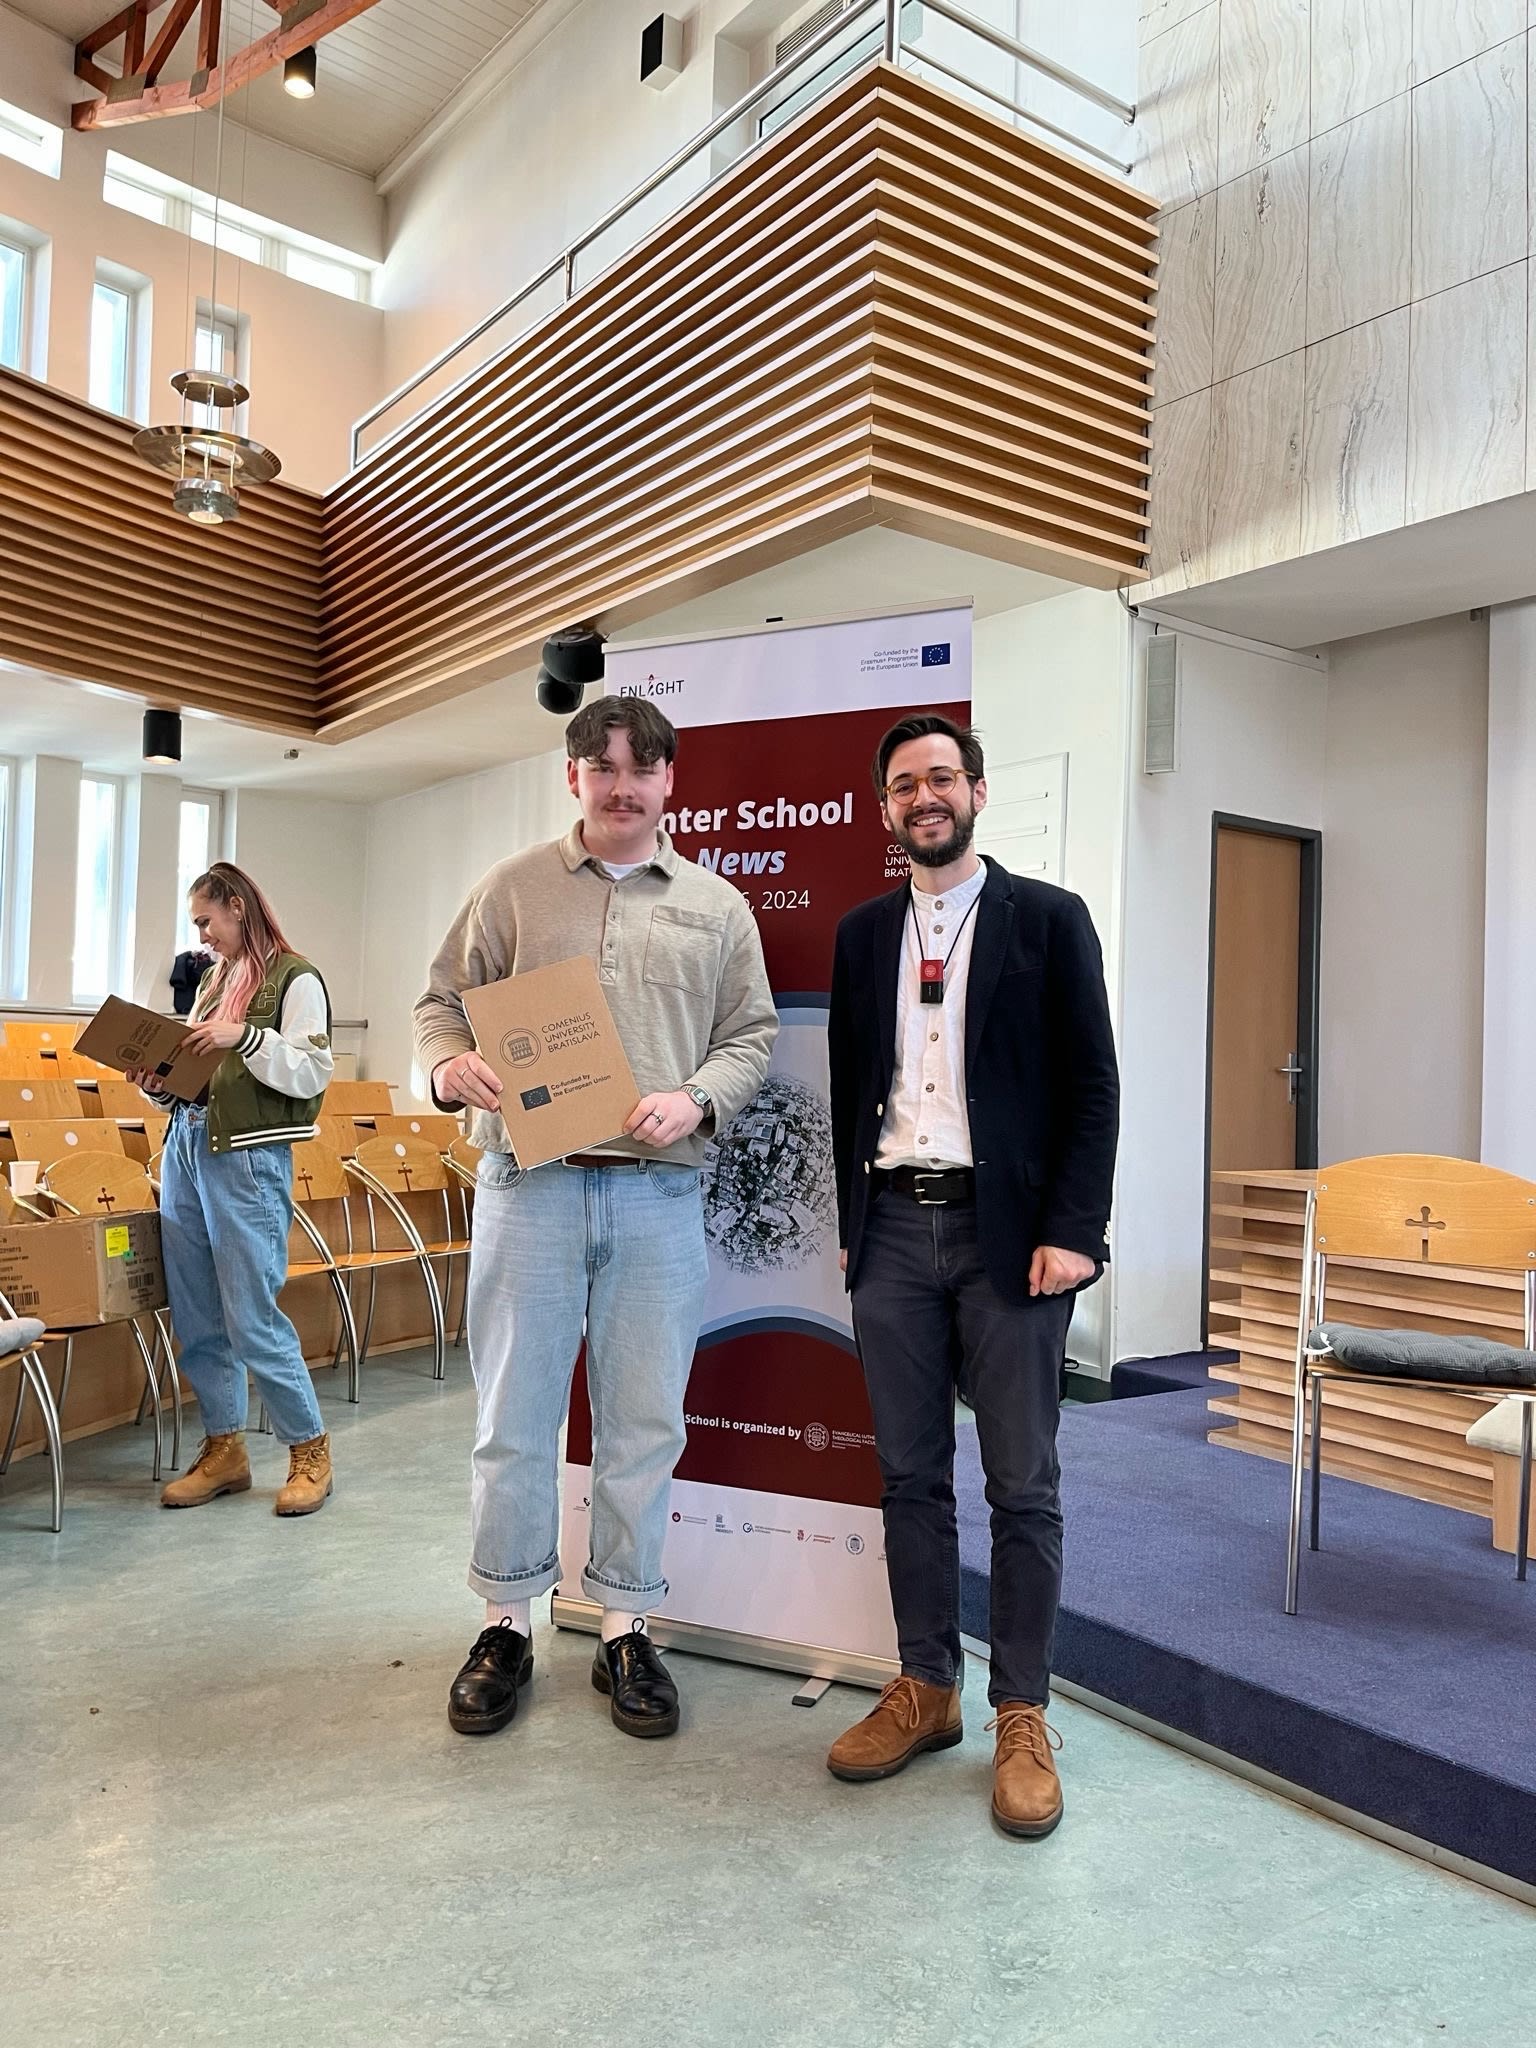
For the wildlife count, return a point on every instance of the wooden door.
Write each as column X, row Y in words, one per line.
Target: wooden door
column 1256, row 967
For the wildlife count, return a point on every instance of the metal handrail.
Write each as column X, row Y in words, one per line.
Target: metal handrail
column 893, row 45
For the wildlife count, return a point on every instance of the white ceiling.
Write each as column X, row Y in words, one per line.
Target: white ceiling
column 871, row 571
column 381, row 78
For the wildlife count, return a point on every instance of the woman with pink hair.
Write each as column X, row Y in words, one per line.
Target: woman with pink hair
column 226, row 1202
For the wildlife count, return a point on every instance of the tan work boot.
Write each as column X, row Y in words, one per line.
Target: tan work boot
column 1026, row 1792
column 221, row 1466
column 910, row 1716
column 309, row 1477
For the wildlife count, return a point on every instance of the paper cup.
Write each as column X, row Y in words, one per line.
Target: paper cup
column 24, row 1174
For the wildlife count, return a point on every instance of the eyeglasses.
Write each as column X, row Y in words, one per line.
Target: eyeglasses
column 939, row 781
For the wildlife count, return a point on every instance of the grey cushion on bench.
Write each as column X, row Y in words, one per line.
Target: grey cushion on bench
column 1414, row 1354
column 19, row 1336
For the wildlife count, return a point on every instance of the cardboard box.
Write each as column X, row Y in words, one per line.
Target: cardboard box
column 78, row 1271
column 123, row 1036
column 550, row 1039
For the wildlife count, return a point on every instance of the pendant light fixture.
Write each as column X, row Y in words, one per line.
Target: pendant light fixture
column 209, row 462
column 300, row 72
column 162, row 738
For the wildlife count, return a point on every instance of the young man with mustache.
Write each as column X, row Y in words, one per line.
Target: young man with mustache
column 975, row 1116
column 609, row 1243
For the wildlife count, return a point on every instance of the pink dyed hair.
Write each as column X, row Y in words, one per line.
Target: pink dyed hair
column 236, row 981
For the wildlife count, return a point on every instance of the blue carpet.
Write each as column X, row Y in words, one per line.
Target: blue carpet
column 1176, row 1374
column 1402, row 1689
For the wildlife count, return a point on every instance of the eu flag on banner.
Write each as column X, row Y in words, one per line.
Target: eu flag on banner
column 936, row 657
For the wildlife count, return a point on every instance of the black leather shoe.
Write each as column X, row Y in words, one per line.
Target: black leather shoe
column 643, row 1699
column 483, row 1697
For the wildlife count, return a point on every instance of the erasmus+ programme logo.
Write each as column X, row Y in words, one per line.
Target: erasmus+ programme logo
column 936, row 656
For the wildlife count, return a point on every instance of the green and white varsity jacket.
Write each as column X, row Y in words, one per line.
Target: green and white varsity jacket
column 268, row 1090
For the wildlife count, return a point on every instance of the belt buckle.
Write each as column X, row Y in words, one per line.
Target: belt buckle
column 926, row 1201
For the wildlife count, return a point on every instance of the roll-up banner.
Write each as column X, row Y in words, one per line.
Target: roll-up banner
column 776, row 1551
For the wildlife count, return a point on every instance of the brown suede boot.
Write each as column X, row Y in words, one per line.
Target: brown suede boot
column 1026, row 1792
column 220, row 1466
column 910, row 1716
column 309, row 1477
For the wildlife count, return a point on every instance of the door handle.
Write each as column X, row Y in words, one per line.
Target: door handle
column 1292, row 1070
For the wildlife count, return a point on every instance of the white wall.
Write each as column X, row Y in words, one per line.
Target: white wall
column 424, row 853
column 1404, row 838
column 315, row 360
column 1054, row 678
column 1509, row 1040
column 310, row 858
column 1253, row 744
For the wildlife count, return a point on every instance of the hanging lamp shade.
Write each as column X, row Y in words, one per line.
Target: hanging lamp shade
column 162, row 737
column 208, row 464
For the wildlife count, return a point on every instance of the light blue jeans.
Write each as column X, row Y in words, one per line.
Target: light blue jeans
column 617, row 1254
column 224, row 1225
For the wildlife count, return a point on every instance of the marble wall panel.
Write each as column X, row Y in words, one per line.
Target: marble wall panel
column 1181, row 492
column 1355, row 433
column 1153, row 16
column 1256, row 444
column 1362, row 54
column 1261, row 264
column 1265, row 81
column 1359, row 256
column 1449, row 32
column 1177, row 107
column 1186, row 284
column 1467, row 394
column 1470, row 140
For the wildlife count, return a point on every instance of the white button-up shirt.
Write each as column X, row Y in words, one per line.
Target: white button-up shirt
column 926, row 1120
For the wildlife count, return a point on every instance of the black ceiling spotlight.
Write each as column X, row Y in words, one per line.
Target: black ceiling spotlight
column 300, row 72
column 162, row 738
column 572, row 659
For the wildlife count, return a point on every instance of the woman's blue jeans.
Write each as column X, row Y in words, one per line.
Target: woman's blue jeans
column 224, row 1224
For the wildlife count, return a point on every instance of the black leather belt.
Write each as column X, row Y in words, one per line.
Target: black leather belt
column 931, row 1188
column 604, row 1160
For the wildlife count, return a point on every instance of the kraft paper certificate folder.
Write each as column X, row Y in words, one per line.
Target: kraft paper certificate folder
column 550, row 1039
column 122, row 1035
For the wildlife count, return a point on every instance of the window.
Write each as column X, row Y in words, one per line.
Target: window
column 137, row 199
column 216, row 347
column 197, row 849
column 340, row 278
column 251, row 236
column 96, row 888
column 234, row 240
column 37, row 144
column 7, row 811
column 111, row 348
column 13, row 304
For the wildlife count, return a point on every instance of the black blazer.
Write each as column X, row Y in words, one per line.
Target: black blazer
column 1041, row 1079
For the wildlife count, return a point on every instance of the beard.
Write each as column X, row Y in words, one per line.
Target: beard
column 938, row 853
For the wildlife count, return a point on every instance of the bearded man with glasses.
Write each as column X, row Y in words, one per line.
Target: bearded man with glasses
column 975, row 1109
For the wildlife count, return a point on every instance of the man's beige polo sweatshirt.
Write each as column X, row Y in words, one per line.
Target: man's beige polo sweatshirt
column 677, row 952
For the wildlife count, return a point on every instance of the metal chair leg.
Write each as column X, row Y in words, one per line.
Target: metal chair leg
column 22, row 1383
column 154, row 1393
column 170, row 1373
column 1317, row 1456
column 1523, row 1521
column 32, row 1369
column 263, row 1420
column 348, row 1341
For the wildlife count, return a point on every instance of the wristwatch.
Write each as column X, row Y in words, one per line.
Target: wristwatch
column 703, row 1098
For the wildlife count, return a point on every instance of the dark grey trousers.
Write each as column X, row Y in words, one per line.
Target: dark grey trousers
column 927, row 1317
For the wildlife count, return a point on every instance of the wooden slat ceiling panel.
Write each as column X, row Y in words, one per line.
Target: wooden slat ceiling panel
column 899, row 310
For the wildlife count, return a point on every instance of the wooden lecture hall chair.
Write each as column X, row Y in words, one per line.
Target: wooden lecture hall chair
column 1468, row 1221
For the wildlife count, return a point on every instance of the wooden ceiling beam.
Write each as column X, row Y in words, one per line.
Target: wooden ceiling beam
column 172, row 29
column 137, row 96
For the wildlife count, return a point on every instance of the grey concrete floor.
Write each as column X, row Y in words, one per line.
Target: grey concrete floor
column 231, row 1810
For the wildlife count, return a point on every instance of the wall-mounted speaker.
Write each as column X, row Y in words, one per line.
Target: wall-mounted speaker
column 661, row 51
column 1160, row 752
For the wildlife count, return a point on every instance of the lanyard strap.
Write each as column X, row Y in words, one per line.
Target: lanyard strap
column 917, row 929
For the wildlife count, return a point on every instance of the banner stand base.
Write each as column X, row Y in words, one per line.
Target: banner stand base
column 829, row 1667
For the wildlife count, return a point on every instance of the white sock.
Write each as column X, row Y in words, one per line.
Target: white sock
column 518, row 1612
column 620, row 1621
